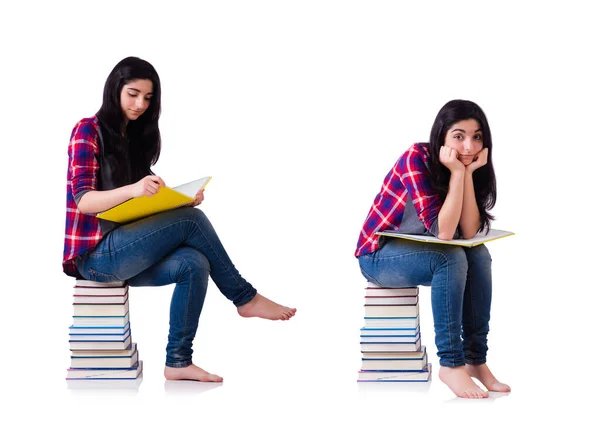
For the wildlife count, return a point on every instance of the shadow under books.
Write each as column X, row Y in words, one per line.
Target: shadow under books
column 418, row 387
column 107, row 387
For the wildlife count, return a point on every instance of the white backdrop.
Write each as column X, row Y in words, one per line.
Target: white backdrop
column 298, row 110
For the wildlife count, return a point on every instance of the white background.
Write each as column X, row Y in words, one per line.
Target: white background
column 298, row 110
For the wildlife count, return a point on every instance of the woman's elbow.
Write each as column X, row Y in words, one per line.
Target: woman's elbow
column 445, row 236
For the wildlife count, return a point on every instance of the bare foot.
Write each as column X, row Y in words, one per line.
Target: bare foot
column 191, row 372
column 264, row 308
column 459, row 381
column 482, row 373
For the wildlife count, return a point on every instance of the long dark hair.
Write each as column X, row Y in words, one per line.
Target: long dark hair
column 484, row 178
column 133, row 147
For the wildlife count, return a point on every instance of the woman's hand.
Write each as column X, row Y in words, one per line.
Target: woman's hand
column 449, row 158
column 480, row 160
column 147, row 186
column 199, row 198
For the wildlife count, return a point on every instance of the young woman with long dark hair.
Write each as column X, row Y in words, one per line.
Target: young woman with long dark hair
column 110, row 159
column 444, row 188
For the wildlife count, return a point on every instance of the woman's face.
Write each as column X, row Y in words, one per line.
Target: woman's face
column 466, row 138
column 135, row 98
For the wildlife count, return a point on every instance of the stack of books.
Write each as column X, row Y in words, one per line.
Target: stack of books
column 390, row 341
column 100, row 337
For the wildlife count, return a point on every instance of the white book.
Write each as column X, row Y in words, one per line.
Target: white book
column 365, row 331
column 391, row 300
column 391, row 347
column 96, row 299
column 95, row 330
column 101, row 291
column 478, row 239
column 392, row 322
column 402, row 310
column 100, row 345
column 373, row 290
column 395, row 376
column 126, row 352
column 92, row 284
column 391, row 339
column 104, row 362
column 130, row 373
column 406, row 363
column 100, row 336
column 100, row 321
column 101, row 309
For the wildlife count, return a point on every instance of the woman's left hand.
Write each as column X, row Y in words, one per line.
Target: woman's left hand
column 199, row 198
column 480, row 160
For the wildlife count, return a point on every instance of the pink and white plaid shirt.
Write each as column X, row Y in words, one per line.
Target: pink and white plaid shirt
column 408, row 177
column 82, row 231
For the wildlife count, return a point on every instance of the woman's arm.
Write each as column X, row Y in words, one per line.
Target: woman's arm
column 470, row 219
column 97, row 201
column 451, row 211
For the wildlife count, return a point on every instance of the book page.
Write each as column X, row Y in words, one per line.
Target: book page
column 191, row 188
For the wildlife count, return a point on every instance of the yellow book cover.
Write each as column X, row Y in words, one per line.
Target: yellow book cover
column 165, row 199
column 478, row 239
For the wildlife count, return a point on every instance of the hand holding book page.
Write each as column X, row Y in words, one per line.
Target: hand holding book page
column 478, row 239
column 165, row 199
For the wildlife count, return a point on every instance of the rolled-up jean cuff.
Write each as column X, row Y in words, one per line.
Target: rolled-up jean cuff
column 180, row 364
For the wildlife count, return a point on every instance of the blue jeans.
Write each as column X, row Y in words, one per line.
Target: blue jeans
column 179, row 246
column 461, row 291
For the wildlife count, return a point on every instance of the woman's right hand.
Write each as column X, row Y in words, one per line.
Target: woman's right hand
column 449, row 158
column 147, row 186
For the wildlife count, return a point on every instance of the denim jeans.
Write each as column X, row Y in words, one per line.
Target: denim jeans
column 179, row 246
column 461, row 291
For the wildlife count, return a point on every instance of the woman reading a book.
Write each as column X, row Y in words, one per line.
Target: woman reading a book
column 444, row 188
column 110, row 155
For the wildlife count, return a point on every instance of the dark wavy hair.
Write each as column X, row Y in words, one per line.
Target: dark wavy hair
column 484, row 178
column 134, row 146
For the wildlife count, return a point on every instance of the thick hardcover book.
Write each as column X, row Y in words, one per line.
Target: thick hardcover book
column 100, row 345
column 93, row 284
column 100, row 337
column 100, row 321
column 392, row 322
column 395, row 376
column 366, row 331
column 105, row 362
column 165, row 199
column 97, row 299
column 415, row 361
column 391, row 300
column 89, row 291
column 478, row 239
column 373, row 290
column 130, row 373
column 126, row 352
column 390, row 347
column 378, row 339
column 403, row 310
column 100, row 309
column 97, row 330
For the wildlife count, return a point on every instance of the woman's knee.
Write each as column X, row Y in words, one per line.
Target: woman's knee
column 479, row 254
column 454, row 257
column 191, row 263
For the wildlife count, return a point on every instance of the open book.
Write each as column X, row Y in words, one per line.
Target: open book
column 165, row 199
column 478, row 239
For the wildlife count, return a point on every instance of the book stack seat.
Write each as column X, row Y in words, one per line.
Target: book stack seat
column 390, row 341
column 100, row 336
